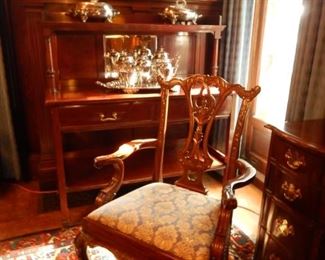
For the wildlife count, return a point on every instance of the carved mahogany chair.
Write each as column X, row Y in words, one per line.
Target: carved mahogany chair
column 166, row 221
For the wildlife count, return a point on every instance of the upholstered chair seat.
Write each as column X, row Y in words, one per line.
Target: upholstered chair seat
column 185, row 221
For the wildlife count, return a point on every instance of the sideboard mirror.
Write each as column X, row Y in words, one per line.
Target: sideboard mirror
column 121, row 52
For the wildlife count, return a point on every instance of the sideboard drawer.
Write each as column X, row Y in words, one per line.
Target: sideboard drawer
column 110, row 113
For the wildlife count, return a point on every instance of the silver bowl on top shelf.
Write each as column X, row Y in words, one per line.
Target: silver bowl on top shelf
column 179, row 13
column 94, row 10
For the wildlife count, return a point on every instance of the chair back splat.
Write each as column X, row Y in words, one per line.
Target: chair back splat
column 206, row 99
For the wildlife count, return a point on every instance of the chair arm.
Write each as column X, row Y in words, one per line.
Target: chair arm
column 124, row 151
column 217, row 154
column 219, row 247
column 116, row 159
column 246, row 173
column 109, row 192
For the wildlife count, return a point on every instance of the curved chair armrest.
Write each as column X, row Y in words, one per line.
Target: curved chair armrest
column 124, row 151
column 246, row 173
column 228, row 204
column 109, row 192
column 116, row 159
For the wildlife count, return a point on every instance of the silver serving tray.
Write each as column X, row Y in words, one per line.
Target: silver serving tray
column 128, row 90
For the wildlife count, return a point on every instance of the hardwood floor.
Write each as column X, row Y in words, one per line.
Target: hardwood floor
column 24, row 210
column 246, row 216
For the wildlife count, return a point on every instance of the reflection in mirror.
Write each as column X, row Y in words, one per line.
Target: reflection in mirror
column 122, row 51
column 133, row 61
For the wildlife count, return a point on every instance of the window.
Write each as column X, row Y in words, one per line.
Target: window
column 277, row 57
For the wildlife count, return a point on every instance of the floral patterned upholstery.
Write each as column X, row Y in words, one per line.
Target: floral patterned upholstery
column 171, row 218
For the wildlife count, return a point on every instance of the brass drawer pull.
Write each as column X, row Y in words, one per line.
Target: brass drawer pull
column 290, row 192
column 103, row 118
column 294, row 159
column 282, row 228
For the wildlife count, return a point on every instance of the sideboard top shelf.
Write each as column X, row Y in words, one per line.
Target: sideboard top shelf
column 133, row 27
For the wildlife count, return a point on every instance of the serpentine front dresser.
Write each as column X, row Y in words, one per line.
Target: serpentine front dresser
column 292, row 220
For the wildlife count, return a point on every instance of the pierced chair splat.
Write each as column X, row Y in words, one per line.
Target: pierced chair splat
column 166, row 221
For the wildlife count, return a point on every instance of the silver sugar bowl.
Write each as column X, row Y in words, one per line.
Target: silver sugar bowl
column 180, row 14
column 94, row 10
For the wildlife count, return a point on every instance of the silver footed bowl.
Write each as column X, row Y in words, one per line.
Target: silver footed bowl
column 94, row 10
column 180, row 14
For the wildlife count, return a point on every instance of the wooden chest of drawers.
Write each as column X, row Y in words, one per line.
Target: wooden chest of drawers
column 292, row 221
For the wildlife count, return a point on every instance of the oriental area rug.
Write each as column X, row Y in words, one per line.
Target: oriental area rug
column 58, row 245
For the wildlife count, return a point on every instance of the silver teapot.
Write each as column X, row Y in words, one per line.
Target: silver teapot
column 144, row 68
column 163, row 65
column 126, row 60
column 94, row 9
column 180, row 14
column 144, row 52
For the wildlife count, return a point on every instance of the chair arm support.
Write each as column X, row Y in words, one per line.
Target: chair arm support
column 116, row 159
column 124, row 151
column 109, row 192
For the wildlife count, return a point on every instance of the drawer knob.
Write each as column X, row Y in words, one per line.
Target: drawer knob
column 290, row 192
column 294, row 159
column 282, row 228
column 103, row 118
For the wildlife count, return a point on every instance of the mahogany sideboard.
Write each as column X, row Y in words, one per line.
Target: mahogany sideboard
column 23, row 22
column 292, row 220
column 53, row 60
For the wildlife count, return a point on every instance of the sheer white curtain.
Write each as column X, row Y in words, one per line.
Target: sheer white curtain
column 277, row 46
